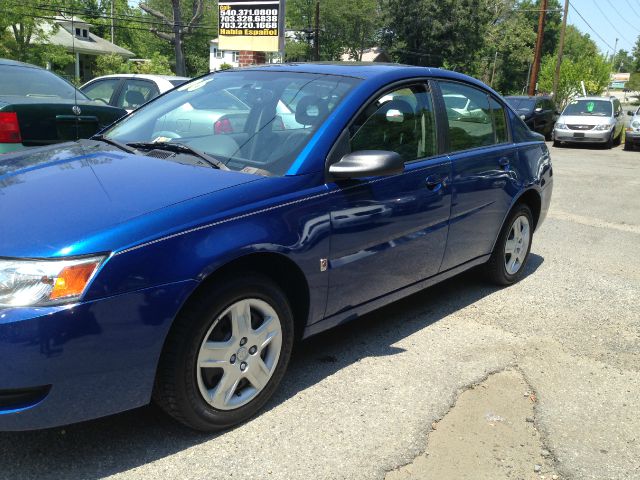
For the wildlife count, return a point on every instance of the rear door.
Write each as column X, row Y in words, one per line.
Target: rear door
column 483, row 183
column 389, row 232
column 136, row 92
column 103, row 90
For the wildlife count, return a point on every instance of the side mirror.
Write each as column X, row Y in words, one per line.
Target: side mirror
column 557, row 112
column 367, row 163
column 630, row 113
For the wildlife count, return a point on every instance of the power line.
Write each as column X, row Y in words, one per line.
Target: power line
column 621, row 16
column 588, row 25
column 611, row 23
column 633, row 9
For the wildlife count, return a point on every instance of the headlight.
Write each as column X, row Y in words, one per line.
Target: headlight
column 603, row 127
column 44, row 282
column 561, row 126
column 635, row 124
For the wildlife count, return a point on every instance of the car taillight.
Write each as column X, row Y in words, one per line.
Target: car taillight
column 222, row 126
column 9, row 128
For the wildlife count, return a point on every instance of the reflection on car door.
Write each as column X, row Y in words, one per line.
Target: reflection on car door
column 482, row 181
column 389, row 232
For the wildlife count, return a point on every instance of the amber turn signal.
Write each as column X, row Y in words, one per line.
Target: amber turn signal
column 72, row 280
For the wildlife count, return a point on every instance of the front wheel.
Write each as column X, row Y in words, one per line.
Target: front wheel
column 511, row 252
column 226, row 354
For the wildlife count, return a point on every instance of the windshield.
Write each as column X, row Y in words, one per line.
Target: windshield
column 521, row 104
column 253, row 121
column 33, row 82
column 600, row 108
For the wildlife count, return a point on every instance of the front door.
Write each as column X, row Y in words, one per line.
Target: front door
column 390, row 232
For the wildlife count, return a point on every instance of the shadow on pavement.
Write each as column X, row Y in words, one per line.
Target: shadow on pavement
column 121, row 442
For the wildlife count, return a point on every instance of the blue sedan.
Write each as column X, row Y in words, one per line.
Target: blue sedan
column 177, row 257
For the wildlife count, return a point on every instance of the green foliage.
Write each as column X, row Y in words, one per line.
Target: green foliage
column 594, row 71
column 634, row 82
column 110, row 64
column 577, row 44
column 158, row 64
column 552, row 24
column 346, row 26
column 225, row 66
column 623, row 62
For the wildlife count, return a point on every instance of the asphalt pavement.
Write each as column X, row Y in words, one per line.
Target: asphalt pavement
column 361, row 400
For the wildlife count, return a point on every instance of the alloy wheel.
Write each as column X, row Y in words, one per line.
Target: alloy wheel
column 239, row 354
column 517, row 245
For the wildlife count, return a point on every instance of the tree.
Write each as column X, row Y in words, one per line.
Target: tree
column 577, row 44
column 622, row 62
column 346, row 26
column 503, row 60
column 594, row 71
column 636, row 56
column 552, row 22
column 179, row 29
column 437, row 32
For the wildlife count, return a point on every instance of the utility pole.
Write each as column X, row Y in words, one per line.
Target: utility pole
column 556, row 77
column 316, row 34
column 113, row 37
column 493, row 73
column 536, row 61
column 613, row 59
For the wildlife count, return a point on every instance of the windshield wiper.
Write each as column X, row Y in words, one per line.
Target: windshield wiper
column 115, row 143
column 180, row 148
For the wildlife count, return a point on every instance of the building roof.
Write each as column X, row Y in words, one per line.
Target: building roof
column 92, row 45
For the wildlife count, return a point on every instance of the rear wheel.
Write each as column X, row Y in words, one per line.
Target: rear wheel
column 511, row 252
column 628, row 146
column 609, row 143
column 226, row 354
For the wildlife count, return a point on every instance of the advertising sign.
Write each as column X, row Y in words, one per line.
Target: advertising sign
column 251, row 25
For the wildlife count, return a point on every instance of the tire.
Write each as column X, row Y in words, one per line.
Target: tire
column 628, row 146
column 247, row 362
column 557, row 144
column 609, row 144
column 618, row 139
column 502, row 268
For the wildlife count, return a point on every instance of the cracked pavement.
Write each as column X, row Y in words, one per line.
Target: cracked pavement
column 359, row 401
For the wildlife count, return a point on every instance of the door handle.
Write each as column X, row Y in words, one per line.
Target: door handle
column 434, row 182
column 504, row 162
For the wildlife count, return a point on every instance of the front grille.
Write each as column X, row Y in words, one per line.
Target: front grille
column 581, row 127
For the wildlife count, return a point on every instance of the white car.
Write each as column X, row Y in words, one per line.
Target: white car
column 128, row 90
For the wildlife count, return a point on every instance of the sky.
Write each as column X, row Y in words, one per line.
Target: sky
column 611, row 19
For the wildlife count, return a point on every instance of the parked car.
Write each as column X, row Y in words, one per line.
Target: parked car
column 146, row 265
column 539, row 112
column 37, row 108
column 590, row 120
column 632, row 134
column 130, row 91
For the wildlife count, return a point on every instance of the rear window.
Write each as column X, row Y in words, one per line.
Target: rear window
column 33, row 82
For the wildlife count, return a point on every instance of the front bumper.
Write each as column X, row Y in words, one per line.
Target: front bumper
column 632, row 138
column 582, row 136
column 83, row 361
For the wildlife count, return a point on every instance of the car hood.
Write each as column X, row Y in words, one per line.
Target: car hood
column 584, row 120
column 54, row 197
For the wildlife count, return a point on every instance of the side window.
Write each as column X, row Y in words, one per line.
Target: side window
column 101, row 90
column 469, row 116
column 499, row 121
column 401, row 121
column 136, row 93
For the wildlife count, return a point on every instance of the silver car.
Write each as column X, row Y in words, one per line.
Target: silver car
column 590, row 120
column 632, row 136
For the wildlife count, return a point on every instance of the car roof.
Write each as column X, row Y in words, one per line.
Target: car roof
column 379, row 72
column 141, row 75
column 529, row 97
column 595, row 97
column 14, row 63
